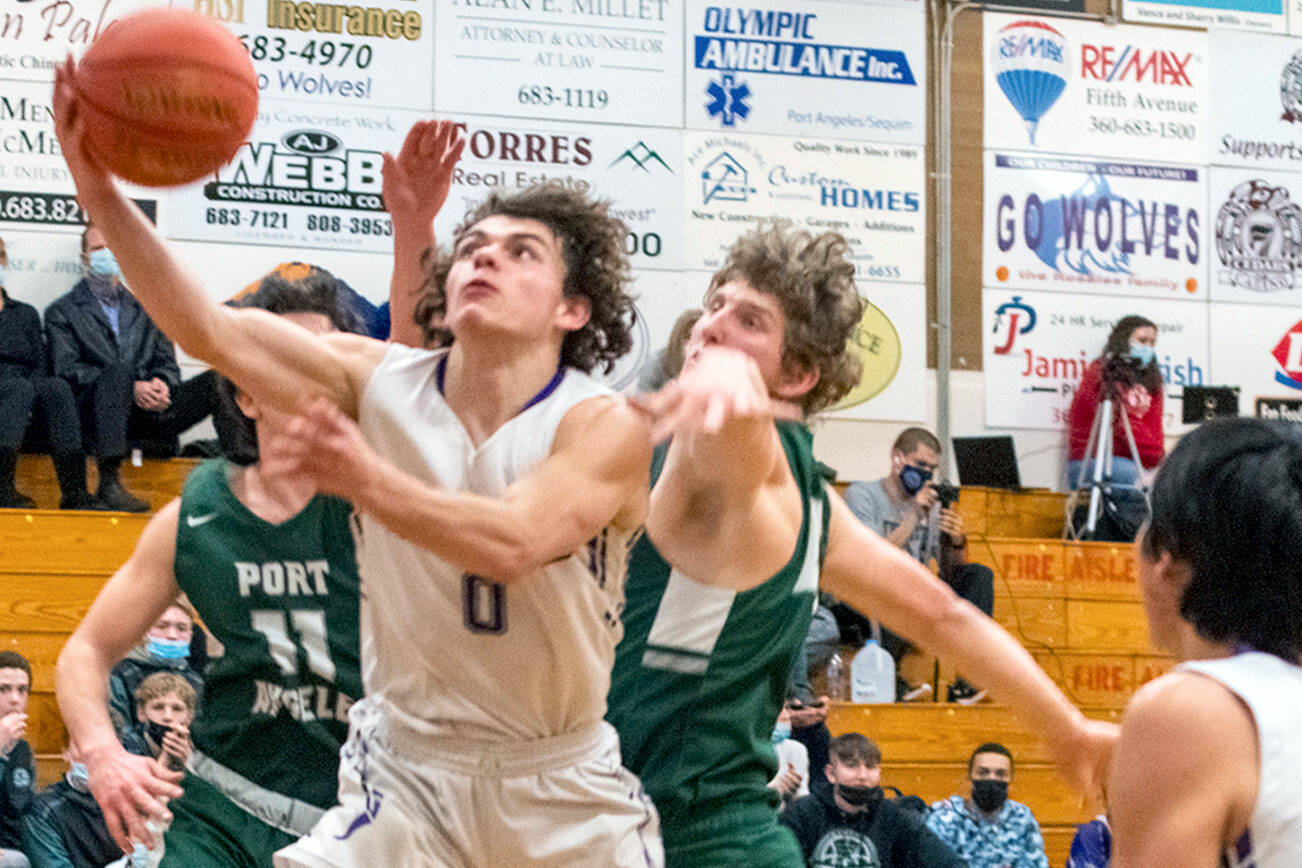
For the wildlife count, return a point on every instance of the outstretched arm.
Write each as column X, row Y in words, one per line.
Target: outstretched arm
column 416, row 184
column 271, row 359
column 596, row 475
column 725, row 509
column 127, row 787
column 874, row 576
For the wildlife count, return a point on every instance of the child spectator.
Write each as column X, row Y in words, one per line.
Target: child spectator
column 166, row 649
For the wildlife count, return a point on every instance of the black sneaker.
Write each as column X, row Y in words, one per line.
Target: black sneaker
column 115, row 497
column 83, row 500
column 906, row 692
column 962, row 693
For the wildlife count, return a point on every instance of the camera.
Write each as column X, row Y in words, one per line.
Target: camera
column 947, row 494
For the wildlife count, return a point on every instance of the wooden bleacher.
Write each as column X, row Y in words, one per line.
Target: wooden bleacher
column 1075, row 606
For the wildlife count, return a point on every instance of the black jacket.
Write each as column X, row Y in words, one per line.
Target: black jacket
column 17, row 786
column 22, row 345
column 885, row 836
column 82, row 343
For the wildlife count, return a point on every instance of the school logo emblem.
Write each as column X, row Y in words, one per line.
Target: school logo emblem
column 1288, row 355
column 1290, row 89
column 1259, row 237
column 1012, row 318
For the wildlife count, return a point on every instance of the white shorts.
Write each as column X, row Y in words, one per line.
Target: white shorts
column 408, row 802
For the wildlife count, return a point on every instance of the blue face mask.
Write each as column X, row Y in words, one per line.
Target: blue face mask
column 1142, row 353
column 168, row 649
column 79, row 777
column 781, row 732
column 103, row 263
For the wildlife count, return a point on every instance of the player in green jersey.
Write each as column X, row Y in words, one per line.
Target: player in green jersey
column 269, row 565
column 741, row 533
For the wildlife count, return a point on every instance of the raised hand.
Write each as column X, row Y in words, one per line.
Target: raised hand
column 12, row 728
column 70, row 129
column 417, row 181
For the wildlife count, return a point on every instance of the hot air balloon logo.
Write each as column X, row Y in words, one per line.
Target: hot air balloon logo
column 1030, row 61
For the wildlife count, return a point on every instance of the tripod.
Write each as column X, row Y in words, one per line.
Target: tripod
column 1098, row 460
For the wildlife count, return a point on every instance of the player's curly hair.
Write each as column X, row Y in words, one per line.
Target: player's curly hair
column 812, row 278
column 596, row 268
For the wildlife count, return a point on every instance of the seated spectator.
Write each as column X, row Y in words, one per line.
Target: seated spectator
column 31, row 399
column 122, row 370
column 809, row 727
column 792, row 780
column 64, row 827
column 17, row 765
column 903, row 508
column 989, row 830
column 851, row 825
column 1091, row 846
column 166, row 648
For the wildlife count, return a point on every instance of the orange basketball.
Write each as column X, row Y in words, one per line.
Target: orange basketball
column 168, row 96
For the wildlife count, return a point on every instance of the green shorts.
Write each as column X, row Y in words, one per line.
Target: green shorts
column 210, row 831
column 742, row 836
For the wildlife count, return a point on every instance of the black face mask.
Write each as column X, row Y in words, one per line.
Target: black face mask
column 912, row 478
column 859, row 797
column 155, row 732
column 989, row 794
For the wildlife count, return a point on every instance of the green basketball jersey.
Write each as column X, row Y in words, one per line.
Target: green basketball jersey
column 283, row 601
column 701, row 673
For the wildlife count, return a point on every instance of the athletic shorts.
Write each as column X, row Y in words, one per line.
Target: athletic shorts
column 730, row 836
column 210, row 831
column 408, row 801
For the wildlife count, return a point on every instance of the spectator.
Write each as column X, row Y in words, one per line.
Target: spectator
column 122, row 370
column 851, row 825
column 28, row 395
column 1091, row 846
column 64, row 827
column 166, row 648
column 17, row 766
column 1127, row 369
column 792, row 780
column 903, row 507
column 989, row 830
column 809, row 727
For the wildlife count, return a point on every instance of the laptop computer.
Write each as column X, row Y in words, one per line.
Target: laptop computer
column 988, row 461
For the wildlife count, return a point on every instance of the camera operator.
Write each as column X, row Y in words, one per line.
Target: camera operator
column 1127, row 370
column 907, row 509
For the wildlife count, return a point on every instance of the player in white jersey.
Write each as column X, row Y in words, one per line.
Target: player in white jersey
column 498, row 486
column 1208, row 770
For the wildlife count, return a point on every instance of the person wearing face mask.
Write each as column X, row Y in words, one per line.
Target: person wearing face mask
column 1128, row 370
column 166, row 648
column 29, row 398
column 851, row 825
column 904, row 509
column 122, row 370
column 989, row 829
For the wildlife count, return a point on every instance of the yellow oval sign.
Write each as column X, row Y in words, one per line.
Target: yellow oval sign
column 877, row 344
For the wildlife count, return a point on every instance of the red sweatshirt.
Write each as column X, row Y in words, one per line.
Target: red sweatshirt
column 1146, row 428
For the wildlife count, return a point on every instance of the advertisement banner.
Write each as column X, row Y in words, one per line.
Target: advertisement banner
column 1038, row 344
column 874, row 195
column 892, row 345
column 1266, row 16
column 813, row 68
column 377, row 55
column 1256, row 236
column 1077, row 87
column 42, row 266
column 1259, row 349
column 1256, row 100
column 605, row 61
column 1070, row 225
column 34, row 36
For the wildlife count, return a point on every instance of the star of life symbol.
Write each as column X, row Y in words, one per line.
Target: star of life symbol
column 728, row 99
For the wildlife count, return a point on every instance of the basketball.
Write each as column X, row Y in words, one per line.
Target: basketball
column 167, row 95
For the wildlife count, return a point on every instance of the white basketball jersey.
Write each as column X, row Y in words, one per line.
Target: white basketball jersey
column 455, row 654
column 1272, row 690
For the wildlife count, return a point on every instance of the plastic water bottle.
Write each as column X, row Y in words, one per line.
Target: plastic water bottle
column 836, row 678
column 872, row 673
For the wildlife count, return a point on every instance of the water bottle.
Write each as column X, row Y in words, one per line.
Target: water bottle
column 872, row 672
column 836, row 679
